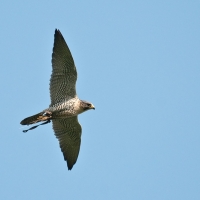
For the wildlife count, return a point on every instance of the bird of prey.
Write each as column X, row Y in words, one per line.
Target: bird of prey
column 65, row 105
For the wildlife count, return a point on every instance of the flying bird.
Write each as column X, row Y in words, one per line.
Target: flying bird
column 65, row 105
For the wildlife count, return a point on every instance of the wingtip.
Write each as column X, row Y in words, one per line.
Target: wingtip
column 69, row 167
column 58, row 34
column 57, row 31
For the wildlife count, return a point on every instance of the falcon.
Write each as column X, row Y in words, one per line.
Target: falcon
column 65, row 105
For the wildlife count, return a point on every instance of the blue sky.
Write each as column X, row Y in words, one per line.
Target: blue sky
column 138, row 62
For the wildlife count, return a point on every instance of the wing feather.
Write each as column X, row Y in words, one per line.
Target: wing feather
column 68, row 132
column 64, row 74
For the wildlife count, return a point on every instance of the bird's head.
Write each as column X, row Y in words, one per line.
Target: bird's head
column 86, row 105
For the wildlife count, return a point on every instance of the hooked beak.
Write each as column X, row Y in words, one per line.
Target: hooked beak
column 92, row 107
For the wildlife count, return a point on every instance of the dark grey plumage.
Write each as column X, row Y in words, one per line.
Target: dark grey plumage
column 65, row 105
column 64, row 75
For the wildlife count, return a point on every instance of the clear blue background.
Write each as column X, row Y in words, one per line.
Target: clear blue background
column 139, row 64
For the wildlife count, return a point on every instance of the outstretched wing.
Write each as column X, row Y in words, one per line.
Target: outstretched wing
column 68, row 132
column 64, row 75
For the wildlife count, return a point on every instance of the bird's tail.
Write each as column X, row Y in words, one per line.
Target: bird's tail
column 42, row 116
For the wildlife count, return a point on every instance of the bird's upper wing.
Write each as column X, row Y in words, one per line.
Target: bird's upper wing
column 64, row 74
column 68, row 132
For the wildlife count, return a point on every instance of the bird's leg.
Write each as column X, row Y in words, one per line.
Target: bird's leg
column 48, row 121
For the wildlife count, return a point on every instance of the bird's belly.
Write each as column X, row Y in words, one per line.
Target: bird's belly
column 65, row 109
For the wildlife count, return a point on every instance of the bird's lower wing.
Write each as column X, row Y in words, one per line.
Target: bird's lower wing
column 68, row 131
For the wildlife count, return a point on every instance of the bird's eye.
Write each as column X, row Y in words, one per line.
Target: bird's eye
column 88, row 105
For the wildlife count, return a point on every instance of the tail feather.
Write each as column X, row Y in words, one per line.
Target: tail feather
column 42, row 116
